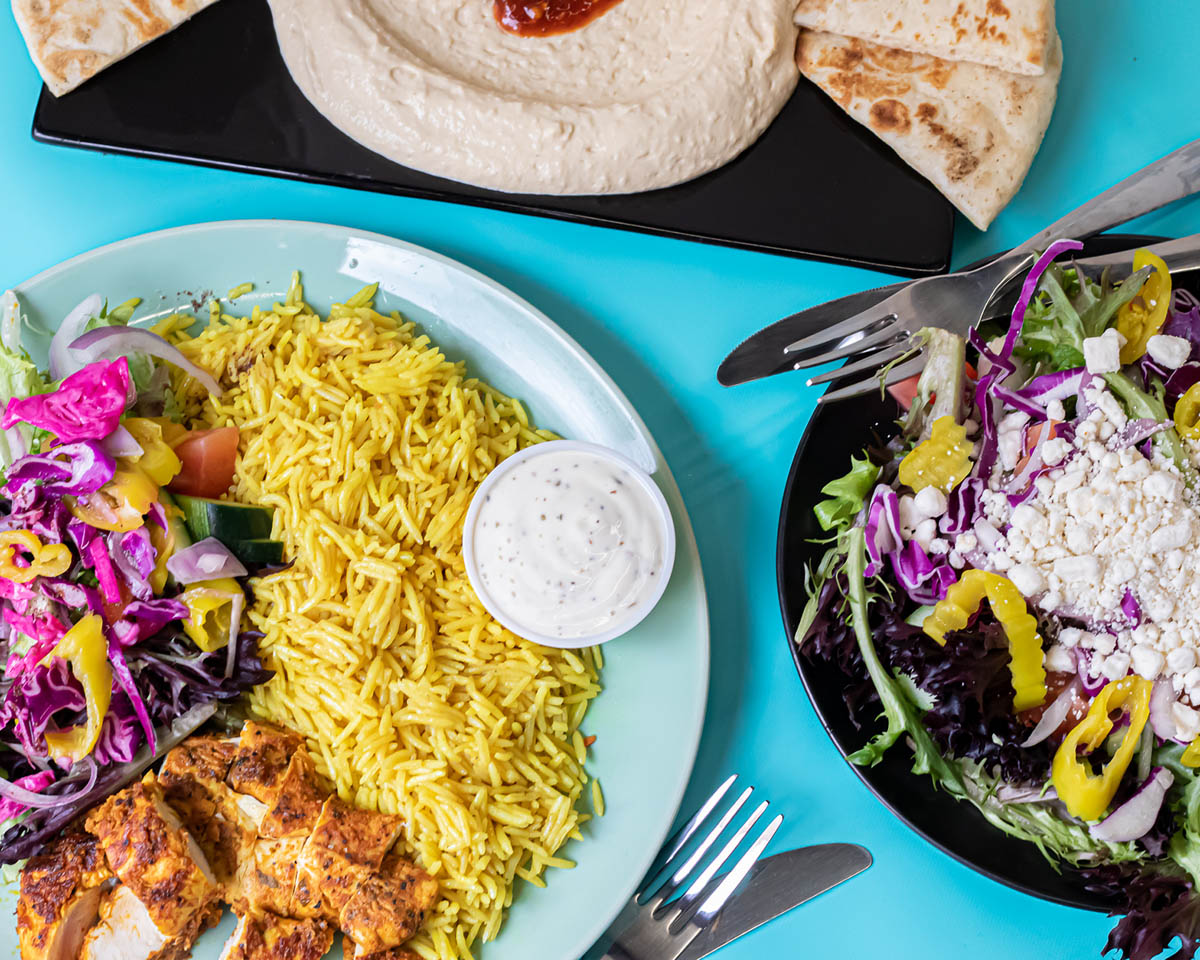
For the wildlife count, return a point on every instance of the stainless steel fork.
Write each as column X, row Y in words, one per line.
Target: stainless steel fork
column 881, row 334
column 683, row 891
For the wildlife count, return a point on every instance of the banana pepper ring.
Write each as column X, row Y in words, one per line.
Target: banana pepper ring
column 1087, row 794
column 942, row 461
column 48, row 559
column 1020, row 626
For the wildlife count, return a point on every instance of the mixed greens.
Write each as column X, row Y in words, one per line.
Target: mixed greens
column 119, row 635
column 988, row 685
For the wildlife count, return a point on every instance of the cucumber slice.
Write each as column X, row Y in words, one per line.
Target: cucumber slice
column 228, row 522
column 175, row 523
column 255, row 553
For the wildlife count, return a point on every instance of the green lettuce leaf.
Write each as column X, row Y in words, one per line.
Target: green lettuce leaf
column 847, row 494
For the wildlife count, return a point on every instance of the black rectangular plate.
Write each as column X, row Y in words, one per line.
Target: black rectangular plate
column 216, row 92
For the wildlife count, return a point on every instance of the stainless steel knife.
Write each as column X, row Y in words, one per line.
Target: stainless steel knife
column 761, row 355
column 1168, row 179
column 775, row 886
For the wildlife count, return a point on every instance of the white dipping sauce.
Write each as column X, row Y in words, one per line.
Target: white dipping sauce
column 570, row 544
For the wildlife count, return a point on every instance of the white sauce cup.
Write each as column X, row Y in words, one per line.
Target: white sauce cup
column 623, row 621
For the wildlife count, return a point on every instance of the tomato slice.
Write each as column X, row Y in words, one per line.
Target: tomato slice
column 208, row 458
column 1031, row 441
column 904, row 392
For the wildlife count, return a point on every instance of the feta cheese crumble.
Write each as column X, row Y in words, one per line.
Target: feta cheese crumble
column 1111, row 538
column 1102, row 354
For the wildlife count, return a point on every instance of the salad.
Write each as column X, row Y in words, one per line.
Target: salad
column 122, row 577
column 1012, row 584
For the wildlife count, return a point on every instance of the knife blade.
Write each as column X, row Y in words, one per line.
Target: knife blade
column 761, row 355
column 776, row 885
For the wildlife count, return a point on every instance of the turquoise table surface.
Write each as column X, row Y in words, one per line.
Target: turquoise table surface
column 659, row 315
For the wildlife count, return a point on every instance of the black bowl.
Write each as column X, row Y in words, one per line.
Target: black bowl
column 833, row 435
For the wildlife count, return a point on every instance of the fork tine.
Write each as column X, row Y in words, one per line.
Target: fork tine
column 892, row 333
column 882, row 313
column 872, row 361
column 732, row 880
column 677, row 843
column 868, row 383
column 679, row 877
column 693, row 892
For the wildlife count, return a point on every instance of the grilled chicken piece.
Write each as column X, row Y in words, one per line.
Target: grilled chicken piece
column 193, row 784
column 361, row 836
column 60, row 897
column 389, row 906
column 270, row 937
column 127, row 932
column 345, row 849
column 267, row 878
column 262, row 760
column 352, row 951
column 325, row 882
column 298, row 798
column 150, row 852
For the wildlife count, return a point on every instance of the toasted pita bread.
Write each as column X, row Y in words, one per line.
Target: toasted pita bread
column 1014, row 35
column 73, row 40
column 971, row 130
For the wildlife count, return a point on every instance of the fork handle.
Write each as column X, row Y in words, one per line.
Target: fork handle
column 1175, row 176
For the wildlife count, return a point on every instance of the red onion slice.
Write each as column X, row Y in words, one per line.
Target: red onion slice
column 209, row 559
column 1055, row 714
column 61, row 362
column 106, row 343
column 1135, row 817
column 42, row 801
column 1162, row 699
column 121, row 443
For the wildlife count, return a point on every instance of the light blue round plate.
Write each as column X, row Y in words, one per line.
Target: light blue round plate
column 647, row 722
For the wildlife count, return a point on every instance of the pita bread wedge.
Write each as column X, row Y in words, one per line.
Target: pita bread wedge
column 73, row 40
column 971, row 130
column 1014, row 35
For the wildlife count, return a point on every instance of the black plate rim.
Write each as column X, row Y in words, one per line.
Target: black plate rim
column 1096, row 903
column 282, row 172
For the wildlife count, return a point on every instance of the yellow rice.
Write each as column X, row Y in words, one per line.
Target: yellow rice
column 369, row 443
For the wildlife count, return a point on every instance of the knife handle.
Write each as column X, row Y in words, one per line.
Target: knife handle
column 1175, row 176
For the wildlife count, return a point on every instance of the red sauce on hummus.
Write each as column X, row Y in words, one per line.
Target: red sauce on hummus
column 545, row 18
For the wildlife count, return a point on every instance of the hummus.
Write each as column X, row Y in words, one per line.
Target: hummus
column 650, row 94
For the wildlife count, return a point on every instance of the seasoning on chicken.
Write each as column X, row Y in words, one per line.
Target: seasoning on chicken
column 193, row 784
column 389, row 906
column 325, row 882
column 61, row 891
column 127, row 932
column 361, row 836
column 267, row 878
column 151, row 854
column 296, row 805
column 262, row 760
column 345, row 849
column 270, row 937
column 352, row 951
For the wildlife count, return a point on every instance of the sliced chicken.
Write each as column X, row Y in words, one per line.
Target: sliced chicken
column 127, row 932
column 151, row 854
column 345, row 849
column 270, row 937
column 325, row 882
column 352, row 951
column 267, row 878
column 61, row 891
column 193, row 784
column 262, row 760
column 361, row 836
column 296, row 803
column 389, row 906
